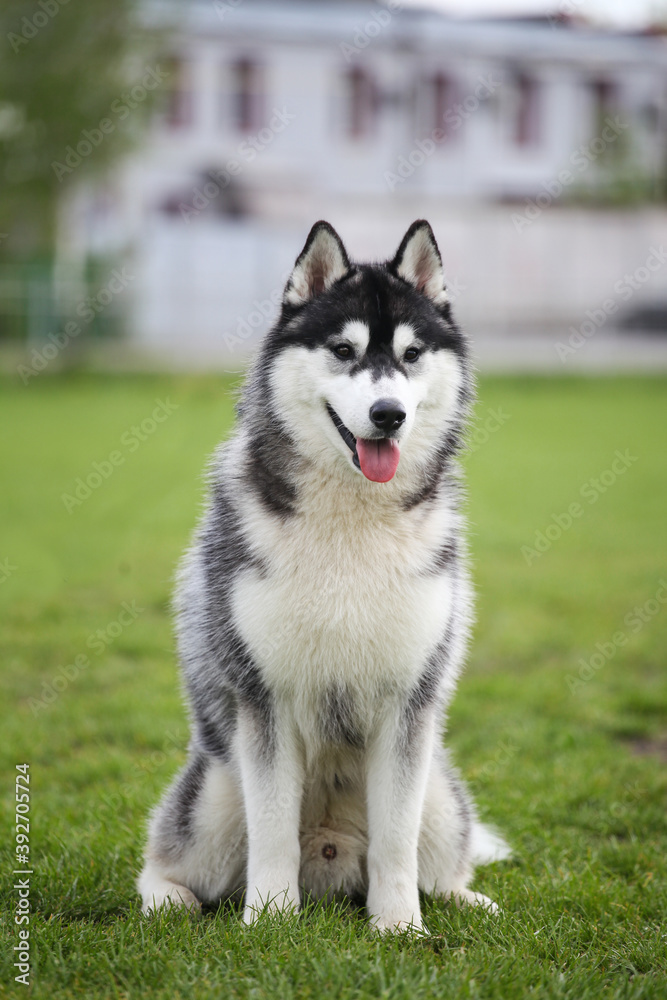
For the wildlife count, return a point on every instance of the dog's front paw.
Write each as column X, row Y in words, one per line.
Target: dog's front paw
column 176, row 896
column 259, row 905
column 388, row 926
column 393, row 913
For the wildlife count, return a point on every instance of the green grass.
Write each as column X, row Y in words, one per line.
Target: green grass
column 551, row 758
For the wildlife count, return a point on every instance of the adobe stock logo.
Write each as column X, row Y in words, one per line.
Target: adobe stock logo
column 130, row 441
column 365, row 33
column 580, row 160
column 453, row 119
column 624, row 289
column 98, row 642
column 606, row 650
column 591, row 491
column 32, row 25
column 484, row 427
column 120, row 109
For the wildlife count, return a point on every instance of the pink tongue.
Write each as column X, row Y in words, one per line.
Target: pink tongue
column 378, row 459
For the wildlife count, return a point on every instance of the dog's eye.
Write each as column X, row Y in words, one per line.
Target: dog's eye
column 412, row 354
column 343, row 351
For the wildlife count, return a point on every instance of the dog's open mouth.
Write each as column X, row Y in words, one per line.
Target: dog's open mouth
column 377, row 458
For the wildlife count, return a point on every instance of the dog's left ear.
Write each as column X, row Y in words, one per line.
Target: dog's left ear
column 418, row 262
column 322, row 261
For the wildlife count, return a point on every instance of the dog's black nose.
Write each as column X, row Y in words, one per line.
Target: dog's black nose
column 387, row 414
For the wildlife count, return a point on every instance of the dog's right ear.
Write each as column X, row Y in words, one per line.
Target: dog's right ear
column 322, row 261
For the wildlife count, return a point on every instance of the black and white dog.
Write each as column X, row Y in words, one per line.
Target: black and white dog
column 324, row 608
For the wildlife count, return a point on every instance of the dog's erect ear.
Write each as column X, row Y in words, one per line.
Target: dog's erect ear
column 322, row 261
column 418, row 262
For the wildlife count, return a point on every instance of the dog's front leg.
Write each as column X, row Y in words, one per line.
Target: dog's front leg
column 272, row 781
column 397, row 770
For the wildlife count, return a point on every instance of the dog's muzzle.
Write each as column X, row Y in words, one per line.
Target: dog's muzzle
column 376, row 458
column 346, row 434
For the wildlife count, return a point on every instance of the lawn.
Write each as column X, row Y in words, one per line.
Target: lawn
column 559, row 724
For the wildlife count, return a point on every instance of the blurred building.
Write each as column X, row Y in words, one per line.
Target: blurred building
column 274, row 114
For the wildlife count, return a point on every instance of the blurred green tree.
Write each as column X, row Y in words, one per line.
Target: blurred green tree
column 64, row 66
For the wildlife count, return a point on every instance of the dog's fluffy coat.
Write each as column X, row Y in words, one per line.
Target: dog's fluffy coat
column 323, row 609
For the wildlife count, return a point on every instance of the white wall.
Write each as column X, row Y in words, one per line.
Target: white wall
column 207, row 291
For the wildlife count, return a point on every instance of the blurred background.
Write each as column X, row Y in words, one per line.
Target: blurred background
column 162, row 162
column 160, row 166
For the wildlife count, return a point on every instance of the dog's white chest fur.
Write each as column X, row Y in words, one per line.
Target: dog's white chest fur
column 346, row 598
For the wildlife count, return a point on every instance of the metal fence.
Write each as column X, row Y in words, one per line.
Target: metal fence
column 39, row 299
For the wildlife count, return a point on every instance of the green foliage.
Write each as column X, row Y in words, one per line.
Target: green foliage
column 573, row 777
column 62, row 67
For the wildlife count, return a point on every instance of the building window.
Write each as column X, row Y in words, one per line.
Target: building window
column 528, row 110
column 179, row 97
column 443, row 93
column 361, row 103
column 247, row 95
column 604, row 94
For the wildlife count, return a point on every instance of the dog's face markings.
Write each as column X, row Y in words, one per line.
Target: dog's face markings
column 363, row 349
column 353, row 338
column 407, row 345
column 382, row 347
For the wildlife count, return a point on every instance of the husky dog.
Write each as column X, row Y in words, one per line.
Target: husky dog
column 324, row 608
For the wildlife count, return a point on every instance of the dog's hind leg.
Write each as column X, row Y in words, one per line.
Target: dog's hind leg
column 465, row 897
column 452, row 840
column 444, row 857
column 197, row 839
